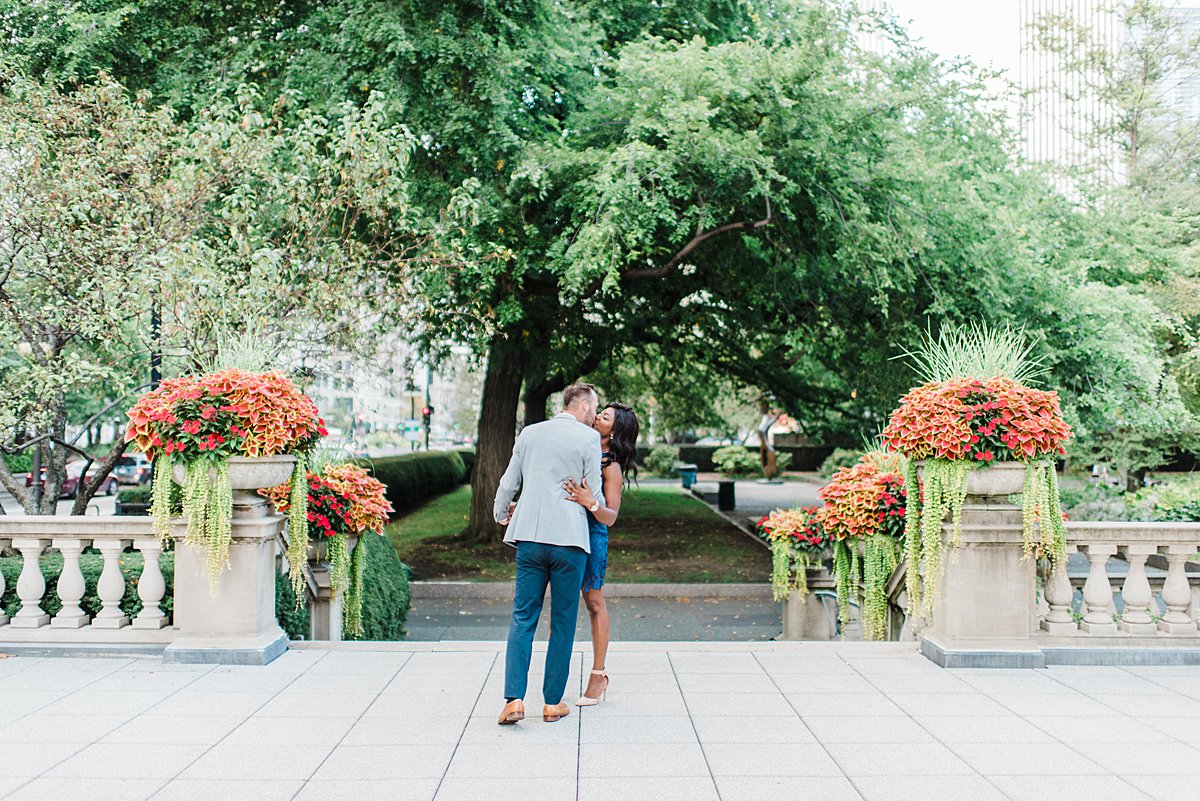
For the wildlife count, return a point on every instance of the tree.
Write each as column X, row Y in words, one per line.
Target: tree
column 739, row 185
column 95, row 199
column 1142, row 216
column 110, row 207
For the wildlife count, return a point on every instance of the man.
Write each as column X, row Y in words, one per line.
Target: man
column 551, row 537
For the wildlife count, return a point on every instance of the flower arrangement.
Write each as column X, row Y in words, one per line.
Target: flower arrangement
column 865, row 503
column 960, row 423
column 798, row 542
column 342, row 501
column 200, row 422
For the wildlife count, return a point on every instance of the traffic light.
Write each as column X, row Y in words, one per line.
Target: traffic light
column 426, row 414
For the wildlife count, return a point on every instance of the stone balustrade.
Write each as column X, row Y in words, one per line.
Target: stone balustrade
column 31, row 536
column 1163, row 605
column 1138, row 601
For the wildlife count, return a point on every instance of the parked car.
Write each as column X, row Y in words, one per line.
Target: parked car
column 133, row 469
column 71, row 483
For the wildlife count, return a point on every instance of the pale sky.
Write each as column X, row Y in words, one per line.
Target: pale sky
column 986, row 31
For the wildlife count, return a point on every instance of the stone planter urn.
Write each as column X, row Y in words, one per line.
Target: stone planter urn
column 247, row 475
column 982, row 612
column 996, row 480
column 235, row 622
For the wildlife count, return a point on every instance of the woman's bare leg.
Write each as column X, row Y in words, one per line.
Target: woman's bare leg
column 598, row 611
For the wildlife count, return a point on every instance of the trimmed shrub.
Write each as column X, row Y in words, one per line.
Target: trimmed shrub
column 294, row 622
column 468, row 457
column 842, row 457
column 804, row 457
column 736, row 460
column 386, row 594
column 140, row 493
column 19, row 462
column 414, row 478
column 136, row 500
column 661, row 460
column 91, row 565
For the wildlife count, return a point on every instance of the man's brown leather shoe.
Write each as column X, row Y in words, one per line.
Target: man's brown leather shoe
column 513, row 711
column 551, row 713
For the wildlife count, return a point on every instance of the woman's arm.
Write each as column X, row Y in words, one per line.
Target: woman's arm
column 607, row 511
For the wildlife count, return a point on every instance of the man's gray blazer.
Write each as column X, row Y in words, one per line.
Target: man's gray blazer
column 546, row 455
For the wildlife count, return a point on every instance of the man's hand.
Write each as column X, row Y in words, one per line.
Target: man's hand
column 511, row 508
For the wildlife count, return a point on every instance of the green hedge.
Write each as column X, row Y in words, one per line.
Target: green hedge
column 414, row 478
column 139, row 493
column 91, row 564
column 468, row 457
column 804, row 458
column 19, row 462
column 293, row 621
column 386, row 594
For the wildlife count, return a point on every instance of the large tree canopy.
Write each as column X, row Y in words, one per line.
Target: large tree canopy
column 735, row 185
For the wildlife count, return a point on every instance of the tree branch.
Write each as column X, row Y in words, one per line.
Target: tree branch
column 697, row 241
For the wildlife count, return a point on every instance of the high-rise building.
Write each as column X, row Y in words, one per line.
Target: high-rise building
column 1066, row 118
column 1063, row 114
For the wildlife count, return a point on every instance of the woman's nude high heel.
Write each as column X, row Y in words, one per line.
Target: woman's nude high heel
column 587, row 701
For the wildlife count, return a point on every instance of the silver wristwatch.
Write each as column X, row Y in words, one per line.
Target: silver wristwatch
column 595, row 505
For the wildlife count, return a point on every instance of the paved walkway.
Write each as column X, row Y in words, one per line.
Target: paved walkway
column 745, row 722
column 633, row 619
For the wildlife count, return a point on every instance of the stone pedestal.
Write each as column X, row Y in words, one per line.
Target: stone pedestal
column 233, row 624
column 804, row 617
column 984, row 611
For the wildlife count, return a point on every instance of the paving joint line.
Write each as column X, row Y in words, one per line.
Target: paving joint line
column 352, row 725
column 936, row 739
column 579, row 737
column 471, row 714
column 1049, row 734
column 695, row 731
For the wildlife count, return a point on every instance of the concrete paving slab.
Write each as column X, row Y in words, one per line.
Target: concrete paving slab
column 692, row 721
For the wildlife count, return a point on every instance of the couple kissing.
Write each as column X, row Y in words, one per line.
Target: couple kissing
column 570, row 471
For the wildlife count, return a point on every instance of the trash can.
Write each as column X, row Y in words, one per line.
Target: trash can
column 687, row 474
column 725, row 500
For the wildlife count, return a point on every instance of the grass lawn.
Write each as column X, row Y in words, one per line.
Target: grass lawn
column 662, row 535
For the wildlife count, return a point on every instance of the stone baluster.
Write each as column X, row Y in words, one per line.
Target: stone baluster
column 151, row 586
column 1176, row 593
column 1059, row 594
column 111, row 587
column 3, row 617
column 1097, row 591
column 1136, row 591
column 70, row 585
column 31, row 586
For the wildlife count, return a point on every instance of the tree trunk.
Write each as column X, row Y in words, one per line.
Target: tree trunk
column 497, row 432
column 95, row 478
column 535, row 401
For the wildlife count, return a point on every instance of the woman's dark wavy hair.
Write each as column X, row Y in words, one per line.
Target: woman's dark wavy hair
column 622, row 442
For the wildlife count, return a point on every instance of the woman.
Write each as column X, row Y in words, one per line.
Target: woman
column 618, row 427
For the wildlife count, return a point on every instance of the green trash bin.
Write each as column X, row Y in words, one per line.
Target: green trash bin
column 687, row 474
